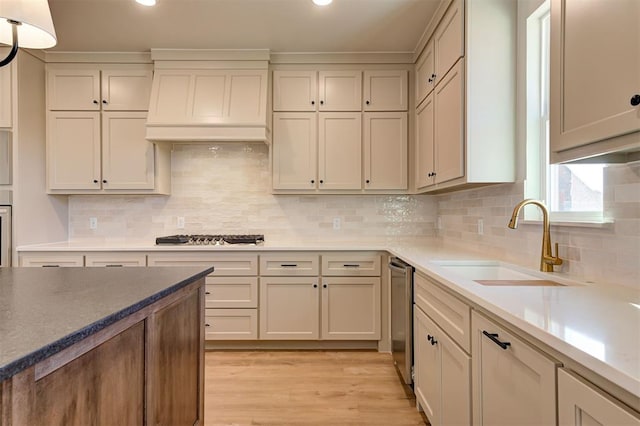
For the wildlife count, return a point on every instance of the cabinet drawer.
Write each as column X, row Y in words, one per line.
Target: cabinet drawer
column 231, row 324
column 349, row 264
column 451, row 314
column 51, row 259
column 283, row 264
column 231, row 292
column 115, row 259
column 224, row 264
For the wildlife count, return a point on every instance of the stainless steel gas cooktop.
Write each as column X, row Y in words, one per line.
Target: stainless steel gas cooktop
column 207, row 239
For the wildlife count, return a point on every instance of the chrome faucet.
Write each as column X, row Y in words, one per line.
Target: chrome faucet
column 547, row 259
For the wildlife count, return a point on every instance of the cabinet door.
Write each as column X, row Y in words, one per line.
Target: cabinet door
column 385, row 150
column 231, row 324
column 51, row 260
column 73, row 89
column 73, row 150
column 350, row 308
column 587, row 45
column 455, row 392
column 289, row 308
column 340, row 90
column 580, row 404
column 115, row 259
column 247, row 97
column 512, row 385
column 231, row 292
column 340, row 151
column 6, row 93
column 425, row 72
column 126, row 89
column 448, row 39
column 385, row 91
column 449, row 125
column 295, row 150
column 426, row 367
column 425, row 143
column 127, row 156
column 294, row 90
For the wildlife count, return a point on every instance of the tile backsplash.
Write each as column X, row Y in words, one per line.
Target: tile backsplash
column 226, row 188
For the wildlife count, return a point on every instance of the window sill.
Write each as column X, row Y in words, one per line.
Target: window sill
column 605, row 224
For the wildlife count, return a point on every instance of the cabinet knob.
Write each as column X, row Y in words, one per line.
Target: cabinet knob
column 95, row 102
column 430, row 80
column 315, row 286
column 368, row 102
column 367, row 181
column 321, row 181
column 635, row 100
column 313, row 181
column 104, row 101
column 313, row 102
column 104, row 181
column 95, row 181
column 321, row 102
column 207, row 325
column 207, row 292
column 324, row 286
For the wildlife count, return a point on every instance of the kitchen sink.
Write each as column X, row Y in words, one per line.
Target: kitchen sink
column 493, row 273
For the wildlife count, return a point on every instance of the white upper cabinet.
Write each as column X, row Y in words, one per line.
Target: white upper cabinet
column 595, row 77
column 385, row 150
column 385, row 91
column 125, row 89
column 73, row 89
column 295, row 158
column 425, row 148
column 208, row 96
column 340, row 90
column 425, row 72
column 295, row 90
column 448, row 40
column 340, row 151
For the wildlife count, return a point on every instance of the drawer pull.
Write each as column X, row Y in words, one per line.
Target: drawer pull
column 432, row 339
column 207, row 325
column 289, row 265
column 50, row 266
column 113, row 266
column 207, row 292
column 494, row 339
column 351, row 265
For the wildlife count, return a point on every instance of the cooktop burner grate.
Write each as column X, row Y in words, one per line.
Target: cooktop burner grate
column 208, row 239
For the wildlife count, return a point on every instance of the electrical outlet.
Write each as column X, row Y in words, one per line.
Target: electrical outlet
column 480, row 227
column 336, row 223
column 180, row 222
column 93, row 223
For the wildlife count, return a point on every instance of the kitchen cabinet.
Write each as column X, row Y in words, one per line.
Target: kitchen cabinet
column 465, row 120
column 385, row 144
column 339, row 151
column 582, row 404
column 586, row 109
column 442, row 360
column 385, row 90
column 323, row 149
column 513, row 382
column 231, row 291
column 96, row 131
column 442, row 374
column 115, row 259
column 53, row 259
column 6, row 94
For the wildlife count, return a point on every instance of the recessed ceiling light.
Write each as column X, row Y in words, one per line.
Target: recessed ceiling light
column 322, row 2
column 147, row 2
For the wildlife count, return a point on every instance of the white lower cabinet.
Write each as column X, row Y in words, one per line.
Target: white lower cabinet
column 350, row 308
column 442, row 369
column 231, row 324
column 51, row 260
column 115, row 259
column 289, row 308
column 513, row 383
column 582, row 404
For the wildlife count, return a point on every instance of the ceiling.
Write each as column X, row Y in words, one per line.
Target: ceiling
column 278, row 25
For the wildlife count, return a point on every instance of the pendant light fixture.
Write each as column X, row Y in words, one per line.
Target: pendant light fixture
column 25, row 23
column 146, row 2
column 322, row 2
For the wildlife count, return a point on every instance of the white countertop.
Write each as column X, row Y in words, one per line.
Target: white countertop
column 595, row 324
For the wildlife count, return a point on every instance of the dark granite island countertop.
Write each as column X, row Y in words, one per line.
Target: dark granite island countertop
column 45, row 310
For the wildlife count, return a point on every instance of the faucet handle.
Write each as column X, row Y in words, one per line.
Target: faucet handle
column 556, row 259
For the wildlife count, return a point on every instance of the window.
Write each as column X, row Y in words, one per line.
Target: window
column 572, row 192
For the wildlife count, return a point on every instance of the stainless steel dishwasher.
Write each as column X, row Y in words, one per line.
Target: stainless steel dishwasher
column 402, row 317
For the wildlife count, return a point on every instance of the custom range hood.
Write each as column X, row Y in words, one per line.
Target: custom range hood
column 208, row 95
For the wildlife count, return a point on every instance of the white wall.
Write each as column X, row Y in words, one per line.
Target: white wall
column 225, row 188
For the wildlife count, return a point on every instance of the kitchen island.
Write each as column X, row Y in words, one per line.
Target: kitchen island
column 101, row 346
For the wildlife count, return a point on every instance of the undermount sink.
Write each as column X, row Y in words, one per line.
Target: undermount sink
column 492, row 273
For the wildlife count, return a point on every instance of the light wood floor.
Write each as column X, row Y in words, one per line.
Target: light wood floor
column 305, row 388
